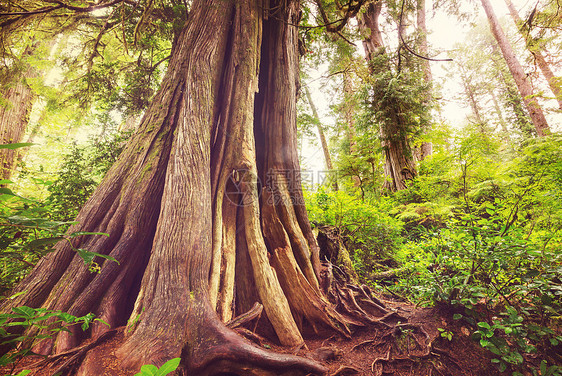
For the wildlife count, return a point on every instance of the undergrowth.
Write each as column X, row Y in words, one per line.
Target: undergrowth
column 478, row 231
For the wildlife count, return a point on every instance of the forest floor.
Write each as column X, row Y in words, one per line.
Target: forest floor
column 409, row 344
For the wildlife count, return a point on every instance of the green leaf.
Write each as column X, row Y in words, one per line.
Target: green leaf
column 147, row 370
column 7, row 191
column 24, row 373
column 170, row 366
column 89, row 256
column 17, row 294
column 16, row 145
column 457, row 316
column 103, row 322
column 25, row 311
column 503, row 366
column 43, row 241
column 483, row 324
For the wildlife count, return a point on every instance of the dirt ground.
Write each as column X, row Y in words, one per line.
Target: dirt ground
column 407, row 344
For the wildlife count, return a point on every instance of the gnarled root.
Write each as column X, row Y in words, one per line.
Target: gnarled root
column 225, row 351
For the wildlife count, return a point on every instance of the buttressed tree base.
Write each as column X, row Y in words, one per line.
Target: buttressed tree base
column 203, row 209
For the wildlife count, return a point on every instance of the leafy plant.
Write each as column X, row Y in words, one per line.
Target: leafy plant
column 445, row 333
column 33, row 325
column 151, row 370
column 368, row 231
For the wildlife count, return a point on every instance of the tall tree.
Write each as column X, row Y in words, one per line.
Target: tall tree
column 399, row 164
column 16, row 101
column 523, row 84
column 426, row 147
column 537, row 52
column 203, row 210
column 321, row 135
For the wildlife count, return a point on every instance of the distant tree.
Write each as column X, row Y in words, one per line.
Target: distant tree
column 537, row 51
column 523, row 84
column 393, row 110
column 426, row 146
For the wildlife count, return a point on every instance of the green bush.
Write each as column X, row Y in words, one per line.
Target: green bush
column 370, row 233
column 497, row 257
column 81, row 171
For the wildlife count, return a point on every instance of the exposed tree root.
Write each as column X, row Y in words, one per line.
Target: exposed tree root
column 227, row 352
column 409, row 345
column 255, row 312
column 345, row 371
column 408, row 349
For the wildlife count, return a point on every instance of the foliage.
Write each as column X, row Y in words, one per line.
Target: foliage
column 25, row 325
column 82, row 169
column 497, row 257
column 27, row 234
column 370, row 233
column 151, row 370
column 29, row 228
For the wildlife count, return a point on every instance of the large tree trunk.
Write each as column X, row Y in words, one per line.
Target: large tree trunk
column 204, row 209
column 399, row 164
column 523, row 84
column 553, row 81
column 15, row 107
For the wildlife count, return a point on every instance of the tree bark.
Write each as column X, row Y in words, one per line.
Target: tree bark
column 426, row 148
column 15, row 109
column 523, row 84
column 204, row 210
column 349, row 108
column 399, row 165
column 553, row 81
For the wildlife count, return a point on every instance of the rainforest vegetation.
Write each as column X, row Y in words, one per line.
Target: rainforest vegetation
column 243, row 187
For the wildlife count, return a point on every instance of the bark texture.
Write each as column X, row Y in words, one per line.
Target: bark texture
column 399, row 164
column 521, row 80
column 15, row 107
column 204, row 211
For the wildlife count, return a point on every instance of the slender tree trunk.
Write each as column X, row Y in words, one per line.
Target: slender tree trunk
column 204, row 211
column 426, row 148
column 349, row 108
column 471, row 95
column 523, row 84
column 513, row 99
column 553, row 81
column 322, row 136
column 399, row 165
column 503, row 124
